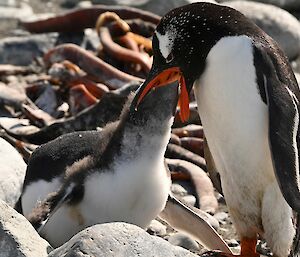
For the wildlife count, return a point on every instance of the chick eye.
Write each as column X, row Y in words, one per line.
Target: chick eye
column 170, row 57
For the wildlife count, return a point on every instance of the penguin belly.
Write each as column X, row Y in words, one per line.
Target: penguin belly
column 235, row 121
column 132, row 191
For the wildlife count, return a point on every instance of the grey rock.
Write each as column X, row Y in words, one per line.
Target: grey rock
column 155, row 6
column 115, row 240
column 70, row 3
column 178, row 189
column 221, row 216
column 47, row 100
column 84, row 4
column 189, row 199
column 23, row 50
column 11, row 96
column 11, row 12
column 263, row 249
column 285, row 4
column 232, row 242
column 17, row 237
column 8, row 3
column 157, row 229
column 278, row 23
column 183, row 240
column 12, row 173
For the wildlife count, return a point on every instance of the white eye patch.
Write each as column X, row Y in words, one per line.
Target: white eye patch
column 166, row 42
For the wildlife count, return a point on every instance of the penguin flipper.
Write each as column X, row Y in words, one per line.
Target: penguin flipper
column 186, row 220
column 42, row 213
column 279, row 89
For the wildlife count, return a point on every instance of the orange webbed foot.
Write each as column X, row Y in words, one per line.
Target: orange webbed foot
column 248, row 249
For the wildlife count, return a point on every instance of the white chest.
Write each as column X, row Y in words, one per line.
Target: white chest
column 235, row 122
column 134, row 192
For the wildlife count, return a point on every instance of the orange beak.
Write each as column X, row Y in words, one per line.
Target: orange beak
column 164, row 78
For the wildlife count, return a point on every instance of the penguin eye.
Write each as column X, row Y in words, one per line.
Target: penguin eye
column 170, row 57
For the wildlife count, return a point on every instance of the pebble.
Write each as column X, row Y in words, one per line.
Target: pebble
column 17, row 237
column 285, row 4
column 157, row 229
column 13, row 12
column 84, row 4
column 118, row 239
column 178, row 189
column 221, row 216
column 232, row 242
column 189, row 199
column 155, row 6
column 183, row 240
column 278, row 23
column 262, row 248
column 23, row 51
column 12, row 173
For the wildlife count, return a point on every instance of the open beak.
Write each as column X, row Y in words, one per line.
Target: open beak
column 164, row 78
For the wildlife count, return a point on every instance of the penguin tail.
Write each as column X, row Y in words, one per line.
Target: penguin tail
column 295, row 252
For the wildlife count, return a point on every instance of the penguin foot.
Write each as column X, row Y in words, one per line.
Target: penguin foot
column 248, row 249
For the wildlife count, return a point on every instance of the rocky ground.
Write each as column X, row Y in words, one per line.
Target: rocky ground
column 18, row 47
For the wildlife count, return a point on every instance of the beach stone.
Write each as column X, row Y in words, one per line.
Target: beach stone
column 13, row 11
column 118, row 239
column 221, row 216
column 189, row 199
column 157, row 229
column 178, row 189
column 23, row 50
column 278, row 23
column 285, row 4
column 10, row 14
column 84, row 4
column 183, row 240
column 155, row 6
column 232, row 242
column 17, row 237
column 12, row 173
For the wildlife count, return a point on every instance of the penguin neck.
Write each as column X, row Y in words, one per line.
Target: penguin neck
column 146, row 131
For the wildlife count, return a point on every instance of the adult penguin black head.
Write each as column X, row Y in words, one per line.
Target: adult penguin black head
column 182, row 41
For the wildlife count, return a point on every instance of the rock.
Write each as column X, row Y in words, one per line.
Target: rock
column 118, row 239
column 285, row 4
column 278, row 23
column 221, row 216
column 12, row 173
column 157, row 229
column 84, row 4
column 13, row 12
column 158, row 7
column 8, row 3
column 232, row 242
column 23, row 51
column 17, row 237
column 11, row 96
column 262, row 248
column 183, row 240
column 10, row 14
column 70, row 3
column 189, row 199
column 178, row 189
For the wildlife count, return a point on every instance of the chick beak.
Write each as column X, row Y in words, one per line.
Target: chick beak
column 164, row 78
